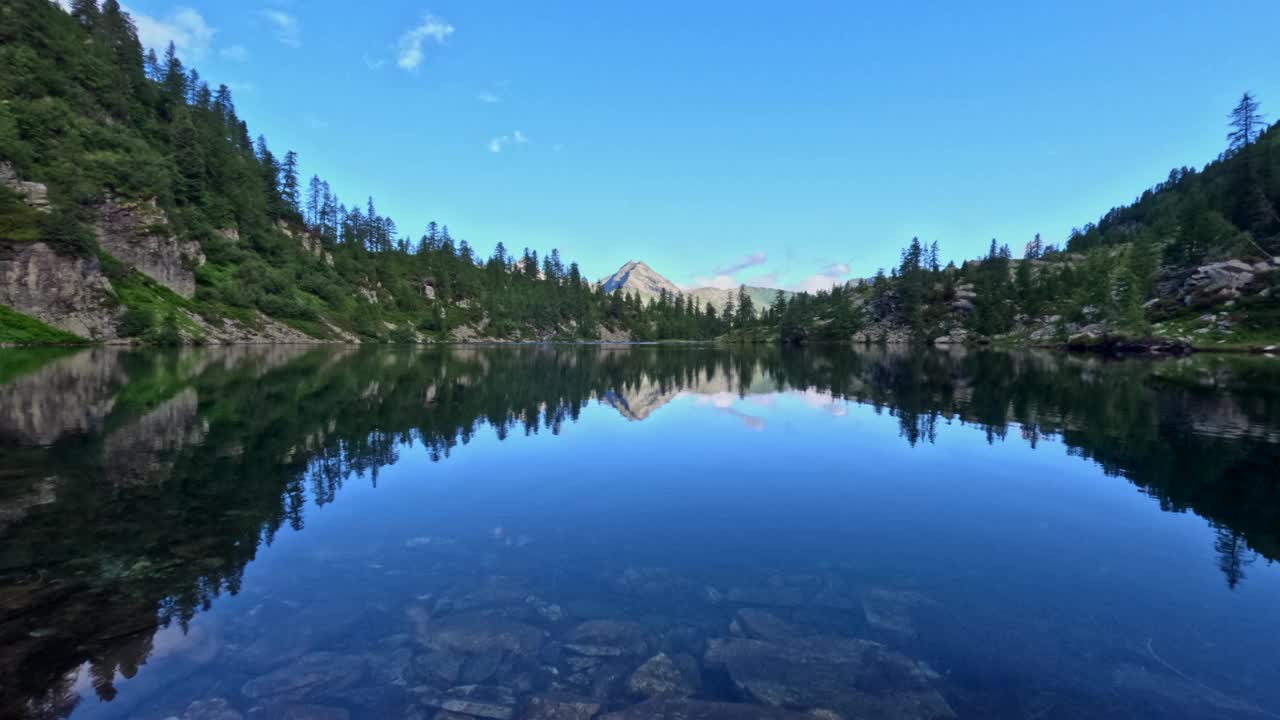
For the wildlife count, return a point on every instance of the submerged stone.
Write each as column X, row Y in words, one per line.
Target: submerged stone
column 438, row 668
column 1180, row 692
column 607, row 638
column 561, row 707
column 211, row 709
column 667, row 709
column 608, row 680
column 652, row 582
column 394, row 668
column 479, row 668
column 796, row 591
column 476, row 700
column 475, row 634
column 665, row 676
column 891, row 610
column 857, row 678
column 299, row 712
column 321, row 671
column 762, row 625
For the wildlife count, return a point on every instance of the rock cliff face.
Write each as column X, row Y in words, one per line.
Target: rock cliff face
column 35, row 194
column 138, row 234
column 309, row 242
column 69, row 293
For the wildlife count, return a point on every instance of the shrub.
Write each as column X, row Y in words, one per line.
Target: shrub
column 137, row 322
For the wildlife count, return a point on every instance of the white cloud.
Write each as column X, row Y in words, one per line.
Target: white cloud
column 517, row 137
column 829, row 277
column 722, row 277
column 315, row 122
column 755, row 258
column 288, row 31
column 374, row 63
column 184, row 27
column 409, row 54
column 234, row 53
column 489, row 98
column 723, row 282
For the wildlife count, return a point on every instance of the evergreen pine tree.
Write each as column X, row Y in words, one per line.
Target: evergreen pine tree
column 1247, row 123
column 289, row 181
column 85, row 12
column 188, row 158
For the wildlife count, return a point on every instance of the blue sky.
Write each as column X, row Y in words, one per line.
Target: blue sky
column 792, row 144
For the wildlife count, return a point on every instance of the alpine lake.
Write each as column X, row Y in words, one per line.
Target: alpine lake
column 628, row 532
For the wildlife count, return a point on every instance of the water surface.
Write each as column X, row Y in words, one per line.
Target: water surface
column 275, row 532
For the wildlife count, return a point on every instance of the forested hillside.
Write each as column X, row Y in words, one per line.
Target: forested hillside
column 1191, row 263
column 136, row 203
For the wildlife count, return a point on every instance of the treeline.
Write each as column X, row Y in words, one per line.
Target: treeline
column 1227, row 209
column 88, row 113
column 1106, row 272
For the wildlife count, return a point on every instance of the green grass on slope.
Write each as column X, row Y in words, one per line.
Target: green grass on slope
column 19, row 329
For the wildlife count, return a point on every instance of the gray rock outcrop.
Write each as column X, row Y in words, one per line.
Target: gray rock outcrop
column 35, row 194
column 138, row 234
column 67, row 292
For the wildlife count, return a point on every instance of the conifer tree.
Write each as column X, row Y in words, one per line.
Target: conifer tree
column 85, row 12
column 188, row 158
column 289, row 181
column 1247, row 123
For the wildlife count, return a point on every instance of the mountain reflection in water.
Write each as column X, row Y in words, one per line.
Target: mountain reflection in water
column 697, row 534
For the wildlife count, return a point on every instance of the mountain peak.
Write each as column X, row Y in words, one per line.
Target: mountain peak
column 636, row 276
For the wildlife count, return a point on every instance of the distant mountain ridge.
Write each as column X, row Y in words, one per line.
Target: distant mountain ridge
column 635, row 276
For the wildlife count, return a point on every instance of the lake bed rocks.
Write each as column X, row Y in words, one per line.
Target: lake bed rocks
column 490, row 647
column 857, row 678
column 214, row 708
column 665, row 676
column 474, row 634
column 607, row 638
column 892, row 610
column 482, row 701
column 562, row 707
column 298, row 711
column 699, row 710
column 762, row 625
column 308, row 675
